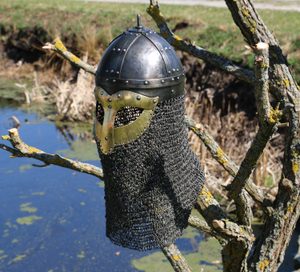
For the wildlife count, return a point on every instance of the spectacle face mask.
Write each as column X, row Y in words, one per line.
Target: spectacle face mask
column 122, row 117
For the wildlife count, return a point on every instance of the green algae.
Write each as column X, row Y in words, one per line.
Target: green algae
column 81, row 255
column 100, row 184
column 207, row 258
column 81, row 150
column 18, row 258
column 26, row 207
column 14, row 241
column 38, row 193
column 25, row 167
column 28, row 220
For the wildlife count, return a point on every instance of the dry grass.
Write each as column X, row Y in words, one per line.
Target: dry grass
column 234, row 132
column 75, row 101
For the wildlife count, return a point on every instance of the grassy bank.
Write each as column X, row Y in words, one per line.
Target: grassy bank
column 94, row 24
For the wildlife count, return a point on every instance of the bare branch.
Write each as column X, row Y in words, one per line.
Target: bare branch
column 219, row 155
column 200, row 225
column 198, row 52
column 59, row 48
column 176, row 259
column 268, row 121
column 21, row 149
column 262, row 82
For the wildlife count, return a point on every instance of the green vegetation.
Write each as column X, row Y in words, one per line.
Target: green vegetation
column 28, row 220
column 27, row 207
column 94, row 25
column 206, row 257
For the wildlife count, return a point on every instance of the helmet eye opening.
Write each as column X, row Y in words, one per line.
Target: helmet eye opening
column 127, row 115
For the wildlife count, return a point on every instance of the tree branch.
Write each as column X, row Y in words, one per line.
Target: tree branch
column 261, row 65
column 198, row 52
column 21, row 149
column 268, row 121
column 268, row 251
column 59, row 48
column 219, row 155
column 176, row 259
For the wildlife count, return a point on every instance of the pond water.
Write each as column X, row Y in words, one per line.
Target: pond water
column 53, row 219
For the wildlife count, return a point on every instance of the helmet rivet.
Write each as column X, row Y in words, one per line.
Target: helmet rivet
column 169, row 72
column 124, row 50
column 114, row 49
column 166, row 48
column 154, row 100
column 162, row 81
column 107, row 79
column 111, row 70
column 119, row 95
column 173, row 78
column 118, row 72
column 146, row 82
column 173, row 70
column 126, row 81
column 119, row 49
column 114, row 80
column 177, row 77
column 109, row 106
column 102, row 93
column 172, row 91
column 106, row 71
column 106, row 138
column 177, row 70
column 138, row 97
column 109, row 99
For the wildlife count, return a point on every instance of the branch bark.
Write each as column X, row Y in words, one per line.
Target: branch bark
column 176, row 259
column 268, row 251
column 60, row 49
column 21, row 149
column 268, row 120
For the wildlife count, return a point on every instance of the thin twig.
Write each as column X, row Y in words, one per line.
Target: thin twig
column 21, row 149
column 59, row 48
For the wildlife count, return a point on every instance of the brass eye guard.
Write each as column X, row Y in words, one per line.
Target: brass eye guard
column 106, row 133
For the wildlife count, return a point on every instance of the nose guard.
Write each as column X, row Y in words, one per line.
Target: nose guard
column 110, row 136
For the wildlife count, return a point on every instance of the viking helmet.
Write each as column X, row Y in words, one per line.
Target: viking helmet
column 138, row 70
column 151, row 176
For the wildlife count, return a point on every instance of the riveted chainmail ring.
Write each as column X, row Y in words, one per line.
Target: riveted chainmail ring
column 152, row 183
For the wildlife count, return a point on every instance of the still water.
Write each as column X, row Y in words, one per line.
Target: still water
column 53, row 219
